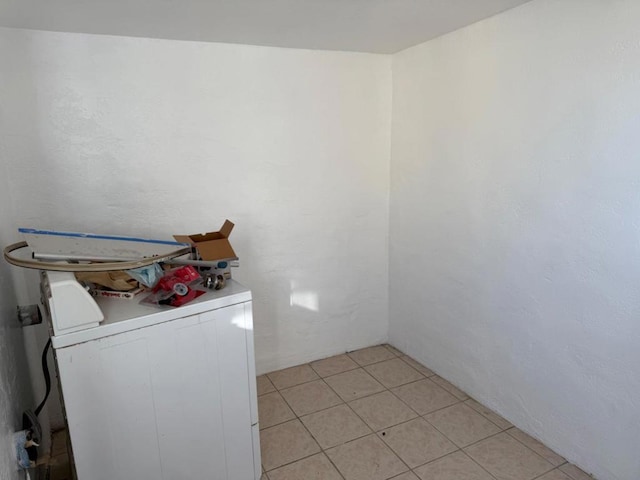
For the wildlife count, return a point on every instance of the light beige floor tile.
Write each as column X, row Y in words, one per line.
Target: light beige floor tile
column 59, row 442
column 417, row 442
column 317, row 467
column 449, row 387
column 393, row 350
column 264, row 385
column 406, row 476
column 264, row 477
column 488, row 413
column 456, row 466
column 382, row 410
column 367, row 458
column 556, row 475
column 310, row 397
column 285, row 443
column 393, row 373
column 335, row 426
column 425, row 396
column 272, row 409
column 290, row 377
column 59, row 471
column 507, row 459
column 370, row 355
column 354, row 384
column 462, row 425
column 418, row 366
column 545, row 452
column 574, row 472
column 334, row 365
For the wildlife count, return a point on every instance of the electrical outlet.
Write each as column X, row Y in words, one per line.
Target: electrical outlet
column 29, row 315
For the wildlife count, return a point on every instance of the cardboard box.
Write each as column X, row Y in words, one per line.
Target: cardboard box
column 98, row 292
column 212, row 246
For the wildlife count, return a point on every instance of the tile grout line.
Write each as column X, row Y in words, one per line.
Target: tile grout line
column 322, row 450
column 377, row 433
column 298, row 418
column 485, row 416
column 522, row 443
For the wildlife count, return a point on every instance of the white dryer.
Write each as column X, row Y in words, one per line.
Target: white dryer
column 156, row 393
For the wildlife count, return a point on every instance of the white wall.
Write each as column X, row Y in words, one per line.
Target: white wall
column 152, row 137
column 515, row 231
column 15, row 386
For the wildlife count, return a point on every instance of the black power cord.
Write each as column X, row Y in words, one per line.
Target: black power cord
column 47, row 377
column 30, row 419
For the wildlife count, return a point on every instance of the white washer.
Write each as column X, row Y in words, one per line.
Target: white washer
column 160, row 393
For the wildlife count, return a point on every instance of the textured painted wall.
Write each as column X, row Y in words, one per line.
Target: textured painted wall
column 514, row 245
column 152, row 137
column 15, row 385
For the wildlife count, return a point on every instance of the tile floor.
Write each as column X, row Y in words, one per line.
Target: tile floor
column 55, row 465
column 376, row 414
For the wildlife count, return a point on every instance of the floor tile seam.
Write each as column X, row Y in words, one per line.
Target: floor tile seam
column 340, row 396
column 284, row 421
column 333, row 464
column 370, row 427
column 372, row 363
column 481, row 440
column 378, row 393
column 418, row 466
column 291, row 463
column 333, row 390
column 322, row 450
column 532, row 450
column 424, row 417
column 295, row 385
column 571, row 476
column 456, row 451
column 316, row 411
column 396, row 386
column 424, row 366
column 431, row 381
column 405, row 403
column 486, row 416
column 458, row 448
column 391, row 426
column 348, row 354
column 267, row 393
column 554, row 466
column 473, row 460
column 358, row 398
column 467, row 396
column 370, row 432
column 320, row 411
column 344, row 371
column 440, row 409
column 307, row 456
column 361, row 419
column 395, row 357
column 386, row 445
column 387, row 345
column 499, row 433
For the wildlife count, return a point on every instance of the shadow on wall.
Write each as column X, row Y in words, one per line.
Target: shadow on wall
column 21, row 378
column 15, row 384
